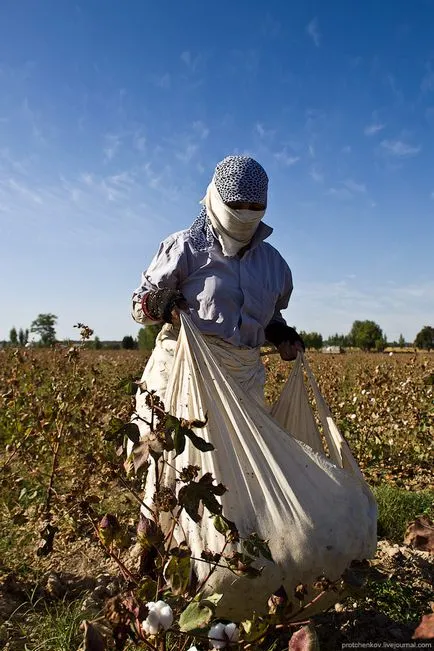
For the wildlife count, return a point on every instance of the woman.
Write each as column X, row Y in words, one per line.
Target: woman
column 233, row 283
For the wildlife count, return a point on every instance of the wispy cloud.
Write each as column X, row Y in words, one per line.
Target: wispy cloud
column 427, row 83
column 186, row 155
column 353, row 186
column 21, row 189
column 399, row 148
column 139, row 141
column 201, row 129
column 165, row 81
column 270, row 27
column 313, row 30
column 339, row 193
column 112, row 144
column 191, row 61
column 285, row 158
column 32, row 118
column 372, row 129
column 316, row 174
column 393, row 85
column 347, row 190
column 263, row 132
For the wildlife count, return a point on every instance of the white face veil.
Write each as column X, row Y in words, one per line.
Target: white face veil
column 236, row 178
column 234, row 228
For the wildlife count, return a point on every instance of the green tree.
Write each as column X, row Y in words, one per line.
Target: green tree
column 367, row 335
column 312, row 339
column 13, row 337
column 128, row 343
column 338, row 340
column 23, row 337
column 401, row 341
column 425, row 338
column 147, row 336
column 97, row 343
column 43, row 326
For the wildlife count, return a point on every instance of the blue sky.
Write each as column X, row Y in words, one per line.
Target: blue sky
column 114, row 114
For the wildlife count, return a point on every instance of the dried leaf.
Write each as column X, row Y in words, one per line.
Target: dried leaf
column 47, row 533
column 300, row 591
column 420, row 534
column 140, row 456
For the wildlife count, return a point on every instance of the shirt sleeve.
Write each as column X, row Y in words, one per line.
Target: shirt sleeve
column 167, row 271
column 283, row 300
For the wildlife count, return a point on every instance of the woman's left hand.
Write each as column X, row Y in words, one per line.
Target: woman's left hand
column 288, row 352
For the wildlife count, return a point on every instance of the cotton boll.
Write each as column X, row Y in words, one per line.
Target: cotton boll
column 160, row 616
column 217, row 636
column 159, row 605
column 151, row 624
column 166, row 616
column 232, row 631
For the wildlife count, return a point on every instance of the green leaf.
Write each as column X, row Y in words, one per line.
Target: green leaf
column 195, row 617
column 256, row 547
column 177, row 574
column 226, row 527
column 254, row 629
column 132, row 431
column 147, row 590
column 213, row 599
column 179, row 441
column 128, row 385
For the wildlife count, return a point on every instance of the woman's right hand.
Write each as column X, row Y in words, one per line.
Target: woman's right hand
column 160, row 304
column 181, row 306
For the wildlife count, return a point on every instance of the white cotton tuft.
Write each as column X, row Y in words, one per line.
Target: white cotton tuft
column 232, row 631
column 160, row 616
column 151, row 624
column 159, row 605
column 166, row 617
column 217, row 636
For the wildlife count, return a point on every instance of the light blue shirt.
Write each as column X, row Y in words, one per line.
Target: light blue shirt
column 232, row 298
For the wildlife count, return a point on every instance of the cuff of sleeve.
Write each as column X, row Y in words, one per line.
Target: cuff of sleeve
column 145, row 309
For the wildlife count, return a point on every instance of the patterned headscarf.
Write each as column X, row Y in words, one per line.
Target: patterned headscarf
column 237, row 178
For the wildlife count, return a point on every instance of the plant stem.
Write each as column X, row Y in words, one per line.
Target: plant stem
column 213, row 568
column 125, row 571
column 133, row 492
column 54, row 465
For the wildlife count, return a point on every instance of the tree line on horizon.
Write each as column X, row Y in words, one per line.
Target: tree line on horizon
column 365, row 335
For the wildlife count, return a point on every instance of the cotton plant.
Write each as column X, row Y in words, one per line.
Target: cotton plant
column 160, row 617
